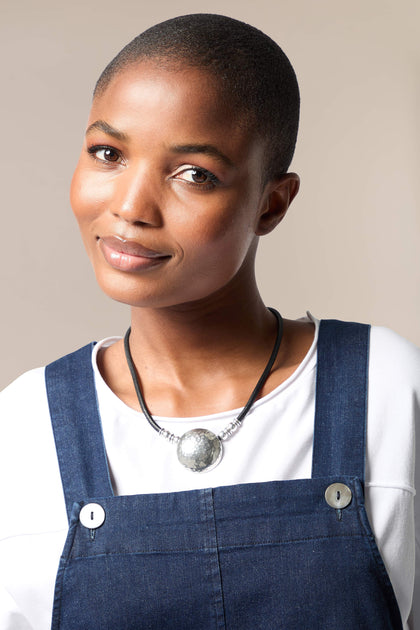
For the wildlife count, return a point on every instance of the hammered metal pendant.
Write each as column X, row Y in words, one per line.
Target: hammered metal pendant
column 199, row 450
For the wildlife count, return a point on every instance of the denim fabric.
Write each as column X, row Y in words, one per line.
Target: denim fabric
column 341, row 399
column 77, row 427
column 253, row 556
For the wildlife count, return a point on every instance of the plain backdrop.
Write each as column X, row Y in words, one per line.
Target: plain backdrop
column 349, row 247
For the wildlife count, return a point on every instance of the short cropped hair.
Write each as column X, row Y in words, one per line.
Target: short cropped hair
column 252, row 71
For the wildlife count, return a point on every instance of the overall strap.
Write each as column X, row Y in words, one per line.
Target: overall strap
column 77, row 427
column 341, row 399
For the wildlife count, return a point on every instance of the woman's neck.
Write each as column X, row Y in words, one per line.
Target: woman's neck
column 180, row 342
column 203, row 358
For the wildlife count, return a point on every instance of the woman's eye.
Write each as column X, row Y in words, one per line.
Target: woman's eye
column 104, row 154
column 200, row 177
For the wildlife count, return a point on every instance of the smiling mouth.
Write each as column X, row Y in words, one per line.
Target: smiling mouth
column 127, row 255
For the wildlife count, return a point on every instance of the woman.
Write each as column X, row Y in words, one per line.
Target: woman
column 184, row 167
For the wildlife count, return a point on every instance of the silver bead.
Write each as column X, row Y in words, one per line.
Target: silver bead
column 199, row 450
column 230, row 429
column 171, row 437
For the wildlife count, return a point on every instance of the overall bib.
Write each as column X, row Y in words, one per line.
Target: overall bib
column 279, row 555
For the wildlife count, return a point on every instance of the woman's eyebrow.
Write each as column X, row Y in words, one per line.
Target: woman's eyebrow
column 207, row 149
column 101, row 125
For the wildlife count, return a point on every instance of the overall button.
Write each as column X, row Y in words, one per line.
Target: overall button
column 338, row 495
column 92, row 515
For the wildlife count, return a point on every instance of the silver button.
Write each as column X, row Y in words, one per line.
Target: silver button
column 92, row 515
column 338, row 495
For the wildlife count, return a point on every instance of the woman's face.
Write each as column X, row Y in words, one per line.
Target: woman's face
column 168, row 189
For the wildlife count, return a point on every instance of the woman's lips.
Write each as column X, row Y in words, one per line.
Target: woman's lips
column 127, row 255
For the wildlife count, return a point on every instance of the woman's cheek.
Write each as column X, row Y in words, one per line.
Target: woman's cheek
column 86, row 198
column 77, row 194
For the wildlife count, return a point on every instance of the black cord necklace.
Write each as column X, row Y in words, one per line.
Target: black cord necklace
column 201, row 450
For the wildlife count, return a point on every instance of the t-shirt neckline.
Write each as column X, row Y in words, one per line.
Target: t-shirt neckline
column 308, row 363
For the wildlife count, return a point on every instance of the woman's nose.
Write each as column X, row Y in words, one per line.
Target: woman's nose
column 136, row 198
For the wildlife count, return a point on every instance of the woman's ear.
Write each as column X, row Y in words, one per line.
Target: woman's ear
column 279, row 194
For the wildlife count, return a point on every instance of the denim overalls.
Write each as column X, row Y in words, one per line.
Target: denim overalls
column 289, row 555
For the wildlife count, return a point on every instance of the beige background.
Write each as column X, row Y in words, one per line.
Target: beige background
column 348, row 249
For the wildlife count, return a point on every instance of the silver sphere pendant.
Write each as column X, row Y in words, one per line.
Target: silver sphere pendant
column 199, row 450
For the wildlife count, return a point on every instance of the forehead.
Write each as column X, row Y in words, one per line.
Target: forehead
column 175, row 100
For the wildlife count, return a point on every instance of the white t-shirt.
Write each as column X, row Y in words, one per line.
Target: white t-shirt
column 274, row 443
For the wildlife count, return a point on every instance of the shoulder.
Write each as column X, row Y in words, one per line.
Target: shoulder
column 27, row 457
column 26, row 397
column 386, row 339
column 24, row 412
column 393, row 409
column 23, row 392
column 393, row 359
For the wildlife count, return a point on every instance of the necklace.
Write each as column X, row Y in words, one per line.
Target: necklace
column 200, row 450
